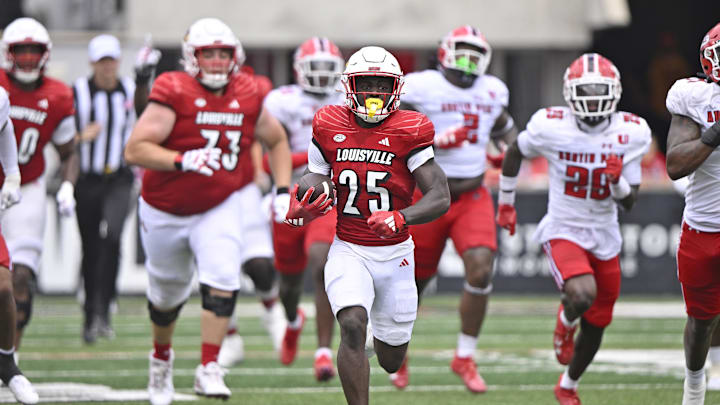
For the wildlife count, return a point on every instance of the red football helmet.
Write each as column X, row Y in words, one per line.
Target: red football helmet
column 26, row 66
column 709, row 57
column 318, row 65
column 591, row 87
column 465, row 60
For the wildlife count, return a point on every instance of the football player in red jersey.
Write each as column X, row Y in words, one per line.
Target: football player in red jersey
column 375, row 155
column 197, row 199
column 10, row 374
column 469, row 110
column 42, row 111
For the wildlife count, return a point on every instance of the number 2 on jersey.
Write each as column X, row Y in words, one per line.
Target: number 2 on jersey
column 229, row 160
column 350, row 179
column 578, row 186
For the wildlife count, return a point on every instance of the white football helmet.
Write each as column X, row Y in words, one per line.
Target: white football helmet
column 372, row 61
column 591, row 87
column 210, row 33
column 25, row 31
column 465, row 60
column 318, row 64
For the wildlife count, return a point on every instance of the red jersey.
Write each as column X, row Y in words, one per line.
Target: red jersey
column 35, row 115
column 369, row 166
column 203, row 119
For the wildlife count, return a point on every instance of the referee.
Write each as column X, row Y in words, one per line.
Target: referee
column 105, row 114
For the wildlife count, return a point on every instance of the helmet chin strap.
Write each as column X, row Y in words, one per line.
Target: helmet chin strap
column 214, row 81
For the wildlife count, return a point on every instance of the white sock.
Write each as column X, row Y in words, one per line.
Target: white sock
column 695, row 378
column 567, row 382
column 8, row 352
column 323, row 351
column 714, row 355
column 466, row 345
column 565, row 321
column 296, row 324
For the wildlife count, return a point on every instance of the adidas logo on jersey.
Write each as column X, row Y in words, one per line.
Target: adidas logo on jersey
column 404, row 263
column 234, row 104
column 384, row 142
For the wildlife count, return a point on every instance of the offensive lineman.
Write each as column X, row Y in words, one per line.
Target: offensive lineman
column 194, row 138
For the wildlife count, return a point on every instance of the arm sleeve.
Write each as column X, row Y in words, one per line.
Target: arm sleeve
column 675, row 101
column 163, row 90
column 8, row 148
column 420, row 157
column 65, row 131
column 316, row 160
column 632, row 169
column 530, row 140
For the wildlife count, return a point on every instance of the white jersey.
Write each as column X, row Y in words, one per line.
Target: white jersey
column 4, row 107
column 700, row 101
column 579, row 191
column 448, row 106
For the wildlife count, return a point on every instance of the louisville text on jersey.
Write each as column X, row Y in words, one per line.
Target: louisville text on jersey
column 27, row 114
column 364, row 155
column 219, row 118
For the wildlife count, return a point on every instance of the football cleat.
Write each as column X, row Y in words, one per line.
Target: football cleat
column 274, row 322
column 713, row 383
column 289, row 346
column 467, row 370
column 160, row 382
column 209, row 381
column 401, row 378
column 22, row 390
column 694, row 395
column 324, row 369
column 232, row 350
column 563, row 340
column 566, row 396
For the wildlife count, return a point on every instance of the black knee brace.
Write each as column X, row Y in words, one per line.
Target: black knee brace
column 164, row 318
column 220, row 306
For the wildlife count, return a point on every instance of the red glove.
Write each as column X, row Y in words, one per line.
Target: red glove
column 452, row 137
column 496, row 160
column 302, row 212
column 386, row 223
column 613, row 168
column 507, row 217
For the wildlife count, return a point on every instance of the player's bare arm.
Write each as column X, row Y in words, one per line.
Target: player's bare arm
column 504, row 132
column 513, row 160
column 69, row 161
column 271, row 133
column 685, row 148
column 436, row 195
column 143, row 147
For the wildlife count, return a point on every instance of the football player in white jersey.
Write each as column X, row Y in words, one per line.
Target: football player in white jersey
column 318, row 65
column 692, row 151
column 10, row 374
column 468, row 109
column 594, row 155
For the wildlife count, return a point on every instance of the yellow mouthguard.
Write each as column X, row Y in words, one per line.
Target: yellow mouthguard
column 373, row 104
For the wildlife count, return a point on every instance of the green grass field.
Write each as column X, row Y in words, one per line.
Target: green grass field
column 640, row 361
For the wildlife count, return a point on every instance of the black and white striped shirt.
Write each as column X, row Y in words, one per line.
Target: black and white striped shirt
column 115, row 112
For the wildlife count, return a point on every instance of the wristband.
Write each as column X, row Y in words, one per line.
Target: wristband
column 621, row 189
column 711, row 136
column 178, row 161
column 282, row 190
column 507, row 185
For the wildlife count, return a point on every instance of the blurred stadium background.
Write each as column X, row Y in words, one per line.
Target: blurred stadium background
column 653, row 43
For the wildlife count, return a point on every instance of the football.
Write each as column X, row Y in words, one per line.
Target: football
column 323, row 185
